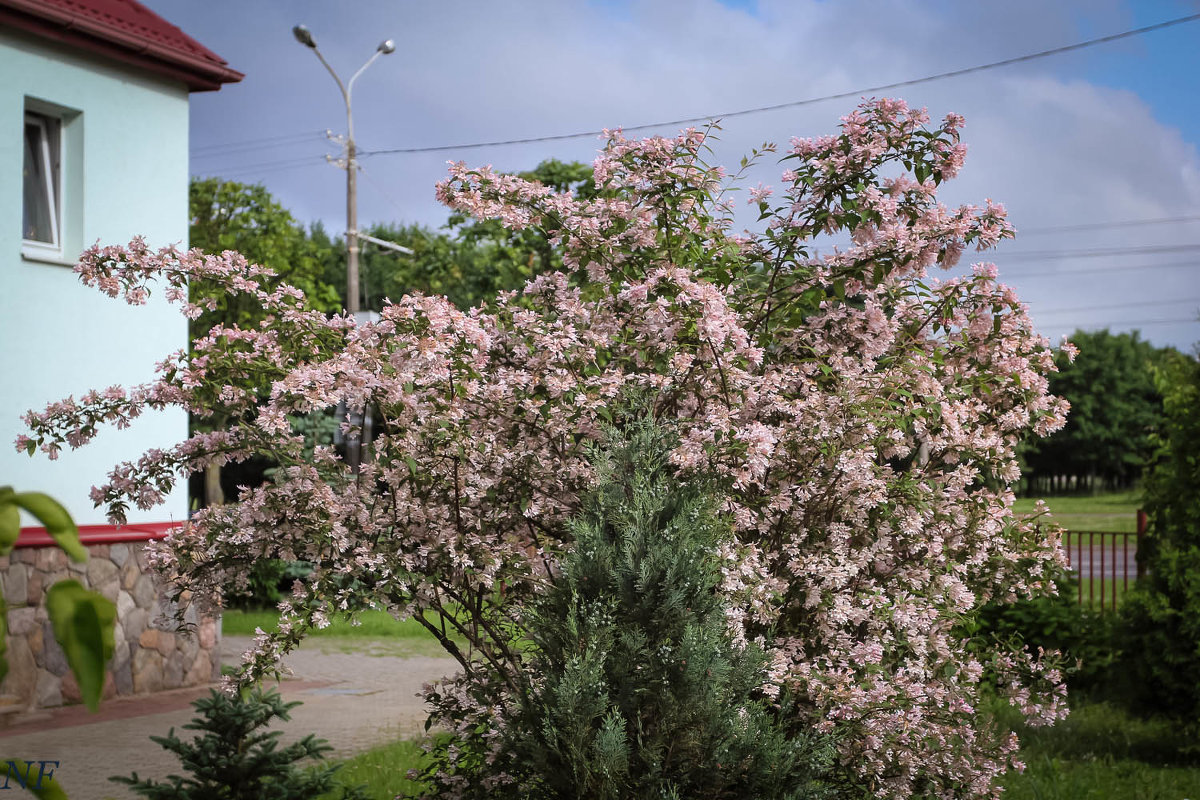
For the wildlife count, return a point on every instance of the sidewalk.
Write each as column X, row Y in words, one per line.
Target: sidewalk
column 355, row 700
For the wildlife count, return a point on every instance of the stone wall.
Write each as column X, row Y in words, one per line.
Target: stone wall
column 149, row 654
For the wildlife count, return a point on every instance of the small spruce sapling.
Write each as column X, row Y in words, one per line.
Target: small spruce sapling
column 643, row 692
column 235, row 759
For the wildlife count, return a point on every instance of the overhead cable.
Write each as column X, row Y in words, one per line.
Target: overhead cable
column 807, row 101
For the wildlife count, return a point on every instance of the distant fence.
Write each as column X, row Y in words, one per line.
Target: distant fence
column 1105, row 563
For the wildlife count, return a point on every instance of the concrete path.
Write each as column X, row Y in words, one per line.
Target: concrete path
column 354, row 698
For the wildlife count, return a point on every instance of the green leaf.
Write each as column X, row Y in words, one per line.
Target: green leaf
column 83, row 625
column 10, row 525
column 57, row 521
column 45, row 788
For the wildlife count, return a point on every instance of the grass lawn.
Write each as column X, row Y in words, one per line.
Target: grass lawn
column 1114, row 511
column 1100, row 752
column 382, row 770
column 1093, row 586
column 387, row 635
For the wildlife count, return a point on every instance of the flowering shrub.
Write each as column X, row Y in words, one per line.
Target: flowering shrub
column 635, row 687
column 858, row 415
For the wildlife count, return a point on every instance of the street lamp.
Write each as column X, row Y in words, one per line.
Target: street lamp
column 305, row 37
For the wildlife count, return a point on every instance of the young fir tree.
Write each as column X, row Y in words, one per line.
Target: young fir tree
column 235, row 759
column 641, row 691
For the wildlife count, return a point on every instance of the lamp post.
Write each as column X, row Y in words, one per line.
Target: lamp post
column 304, row 36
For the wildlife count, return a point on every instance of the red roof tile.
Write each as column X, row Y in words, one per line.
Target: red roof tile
column 125, row 30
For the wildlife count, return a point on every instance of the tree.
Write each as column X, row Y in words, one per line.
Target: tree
column 857, row 422
column 641, row 690
column 233, row 758
column 514, row 255
column 439, row 265
column 226, row 215
column 473, row 260
column 1115, row 407
column 1160, row 621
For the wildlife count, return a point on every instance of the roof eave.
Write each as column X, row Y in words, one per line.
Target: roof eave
column 198, row 74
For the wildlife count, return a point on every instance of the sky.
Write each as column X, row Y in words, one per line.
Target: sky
column 1095, row 153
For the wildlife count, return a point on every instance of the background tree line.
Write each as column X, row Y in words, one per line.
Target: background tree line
column 1116, row 408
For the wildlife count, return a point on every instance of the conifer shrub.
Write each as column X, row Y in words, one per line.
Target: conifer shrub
column 636, row 686
column 235, row 758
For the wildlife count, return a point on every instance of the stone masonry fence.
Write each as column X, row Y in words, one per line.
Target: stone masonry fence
column 151, row 654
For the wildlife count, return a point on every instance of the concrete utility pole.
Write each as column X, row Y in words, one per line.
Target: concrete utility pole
column 356, row 418
column 304, row 36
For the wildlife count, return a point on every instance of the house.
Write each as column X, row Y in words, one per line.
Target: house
column 93, row 147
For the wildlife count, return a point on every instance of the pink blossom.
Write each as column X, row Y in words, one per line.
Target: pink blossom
column 846, row 406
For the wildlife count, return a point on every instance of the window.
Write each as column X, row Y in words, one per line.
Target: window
column 42, row 218
column 52, row 177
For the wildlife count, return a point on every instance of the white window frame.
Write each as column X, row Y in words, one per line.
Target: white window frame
column 50, row 154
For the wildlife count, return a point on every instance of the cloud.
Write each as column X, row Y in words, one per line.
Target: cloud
column 1054, row 147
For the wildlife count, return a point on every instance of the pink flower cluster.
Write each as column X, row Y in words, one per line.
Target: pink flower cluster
column 861, row 416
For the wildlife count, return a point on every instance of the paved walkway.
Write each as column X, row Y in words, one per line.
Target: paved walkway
column 355, row 700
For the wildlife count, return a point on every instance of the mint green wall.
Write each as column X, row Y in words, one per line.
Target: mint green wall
column 57, row 337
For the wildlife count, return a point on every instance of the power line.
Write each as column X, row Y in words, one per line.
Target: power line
column 272, row 166
column 1066, row 273
column 807, row 101
column 1133, row 223
column 1123, row 323
column 293, row 161
column 1116, row 306
column 255, row 144
column 1048, row 255
column 254, row 174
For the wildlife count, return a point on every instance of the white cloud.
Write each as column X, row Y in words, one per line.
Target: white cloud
column 1054, row 148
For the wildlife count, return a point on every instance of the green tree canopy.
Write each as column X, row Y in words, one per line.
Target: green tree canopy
column 1114, row 409
column 440, row 265
column 516, row 256
column 469, row 262
column 1160, row 628
column 226, row 215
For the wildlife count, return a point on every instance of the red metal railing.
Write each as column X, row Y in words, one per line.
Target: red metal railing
column 1105, row 563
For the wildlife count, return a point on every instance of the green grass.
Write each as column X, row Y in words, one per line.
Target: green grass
column 378, row 632
column 1101, row 752
column 1048, row 778
column 372, row 625
column 1114, row 511
column 1095, row 586
column 382, row 770
column 1097, row 752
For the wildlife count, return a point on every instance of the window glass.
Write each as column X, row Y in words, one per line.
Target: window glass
column 40, row 219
